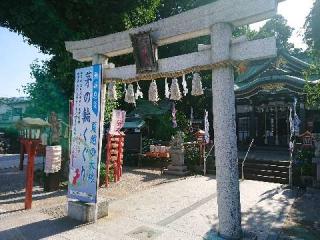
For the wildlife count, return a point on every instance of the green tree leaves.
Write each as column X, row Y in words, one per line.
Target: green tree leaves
column 312, row 35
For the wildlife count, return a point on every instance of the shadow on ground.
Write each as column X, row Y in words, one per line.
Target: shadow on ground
column 40, row 230
column 304, row 218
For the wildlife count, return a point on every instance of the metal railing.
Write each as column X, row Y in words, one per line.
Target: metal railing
column 245, row 158
column 205, row 159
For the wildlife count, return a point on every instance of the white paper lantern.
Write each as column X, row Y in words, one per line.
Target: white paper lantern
column 175, row 93
column 196, row 85
column 153, row 92
column 53, row 159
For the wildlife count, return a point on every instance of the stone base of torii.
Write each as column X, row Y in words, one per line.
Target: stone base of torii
column 217, row 20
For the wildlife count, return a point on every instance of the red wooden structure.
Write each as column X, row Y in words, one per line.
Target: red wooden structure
column 307, row 140
column 114, row 156
column 30, row 145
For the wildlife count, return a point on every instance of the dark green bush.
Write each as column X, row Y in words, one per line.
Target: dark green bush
column 192, row 157
column 304, row 160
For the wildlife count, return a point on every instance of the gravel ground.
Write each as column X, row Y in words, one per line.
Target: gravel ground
column 53, row 203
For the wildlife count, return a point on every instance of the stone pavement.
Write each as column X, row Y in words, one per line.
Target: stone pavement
column 184, row 209
column 12, row 161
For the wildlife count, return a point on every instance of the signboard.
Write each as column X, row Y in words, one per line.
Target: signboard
column 85, row 152
column 144, row 52
column 117, row 121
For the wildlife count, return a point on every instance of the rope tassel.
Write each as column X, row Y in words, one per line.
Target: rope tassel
column 196, row 85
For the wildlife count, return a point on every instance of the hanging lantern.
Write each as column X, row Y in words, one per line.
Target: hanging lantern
column 196, row 85
column 153, row 92
column 166, row 88
column 184, row 85
column 139, row 93
column 130, row 96
column 112, row 91
column 175, row 93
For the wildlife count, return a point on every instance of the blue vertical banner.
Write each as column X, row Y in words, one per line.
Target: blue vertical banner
column 85, row 151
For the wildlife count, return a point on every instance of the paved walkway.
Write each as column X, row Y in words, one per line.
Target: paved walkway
column 184, row 209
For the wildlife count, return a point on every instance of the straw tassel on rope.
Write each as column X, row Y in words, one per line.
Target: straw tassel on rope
column 130, row 96
column 153, row 92
column 112, row 91
column 175, row 93
column 196, row 85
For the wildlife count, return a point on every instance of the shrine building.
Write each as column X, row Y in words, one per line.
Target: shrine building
column 264, row 93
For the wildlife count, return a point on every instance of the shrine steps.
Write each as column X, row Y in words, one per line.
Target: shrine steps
column 261, row 170
column 266, row 171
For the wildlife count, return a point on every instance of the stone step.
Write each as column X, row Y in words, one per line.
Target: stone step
column 262, row 178
column 266, row 172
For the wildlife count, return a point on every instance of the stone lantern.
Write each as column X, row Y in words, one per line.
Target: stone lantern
column 177, row 152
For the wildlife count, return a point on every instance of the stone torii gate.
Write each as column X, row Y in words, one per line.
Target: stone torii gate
column 217, row 20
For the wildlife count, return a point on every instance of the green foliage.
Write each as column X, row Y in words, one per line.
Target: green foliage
column 305, row 158
column 12, row 135
column 312, row 34
column 278, row 27
column 192, row 157
column 44, row 94
column 103, row 174
column 161, row 126
column 312, row 95
column 312, row 90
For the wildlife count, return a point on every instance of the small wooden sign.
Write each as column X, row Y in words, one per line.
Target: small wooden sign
column 144, row 52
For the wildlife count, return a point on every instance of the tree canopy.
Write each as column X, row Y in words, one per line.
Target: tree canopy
column 312, row 35
column 278, row 27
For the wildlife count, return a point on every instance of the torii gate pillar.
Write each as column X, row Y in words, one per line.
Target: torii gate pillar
column 225, row 139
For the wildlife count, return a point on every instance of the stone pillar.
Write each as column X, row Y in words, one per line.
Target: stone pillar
column 225, row 139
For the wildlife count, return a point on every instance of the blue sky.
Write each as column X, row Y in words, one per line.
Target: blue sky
column 15, row 60
column 17, row 55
